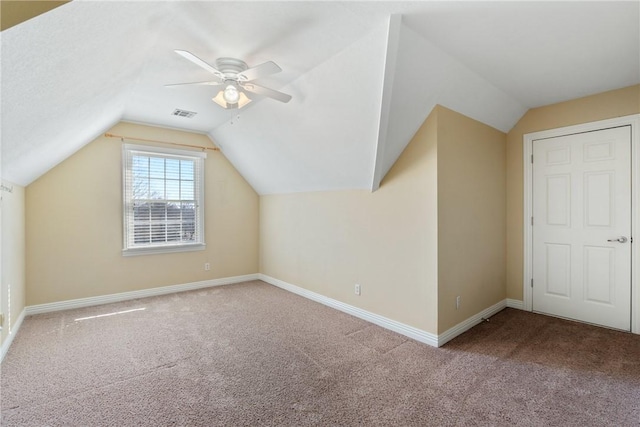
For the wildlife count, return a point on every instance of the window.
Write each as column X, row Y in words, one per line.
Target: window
column 163, row 200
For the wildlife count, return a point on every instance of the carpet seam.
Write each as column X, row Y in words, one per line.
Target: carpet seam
column 86, row 389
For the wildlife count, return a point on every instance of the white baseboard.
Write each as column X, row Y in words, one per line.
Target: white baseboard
column 515, row 303
column 393, row 325
column 124, row 296
column 12, row 333
column 401, row 328
column 472, row 321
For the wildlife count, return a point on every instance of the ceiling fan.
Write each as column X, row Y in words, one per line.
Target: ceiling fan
column 236, row 79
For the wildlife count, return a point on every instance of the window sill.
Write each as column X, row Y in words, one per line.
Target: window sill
column 163, row 249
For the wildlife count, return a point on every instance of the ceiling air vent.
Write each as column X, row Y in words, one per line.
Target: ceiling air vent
column 183, row 113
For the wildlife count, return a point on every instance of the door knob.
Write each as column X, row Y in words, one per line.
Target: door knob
column 620, row 239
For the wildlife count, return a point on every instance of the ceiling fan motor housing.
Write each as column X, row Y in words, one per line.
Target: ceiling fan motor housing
column 231, row 67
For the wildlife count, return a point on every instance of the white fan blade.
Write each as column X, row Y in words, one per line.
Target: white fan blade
column 258, row 71
column 200, row 63
column 196, row 83
column 261, row 90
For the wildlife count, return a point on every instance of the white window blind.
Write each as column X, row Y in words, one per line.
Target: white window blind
column 163, row 199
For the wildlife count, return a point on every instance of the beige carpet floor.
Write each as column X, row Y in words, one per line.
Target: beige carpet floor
column 254, row 355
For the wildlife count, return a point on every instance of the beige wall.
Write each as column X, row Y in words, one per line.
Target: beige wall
column 74, row 225
column 616, row 103
column 434, row 230
column 14, row 12
column 442, row 202
column 13, row 256
column 386, row 241
column 471, row 217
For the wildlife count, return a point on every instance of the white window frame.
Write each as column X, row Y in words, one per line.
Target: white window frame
column 128, row 150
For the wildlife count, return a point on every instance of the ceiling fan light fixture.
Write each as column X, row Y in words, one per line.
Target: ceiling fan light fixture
column 231, row 94
column 244, row 100
column 219, row 99
column 222, row 101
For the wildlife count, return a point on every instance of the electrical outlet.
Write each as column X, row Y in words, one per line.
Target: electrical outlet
column 207, row 266
column 357, row 289
column 458, row 302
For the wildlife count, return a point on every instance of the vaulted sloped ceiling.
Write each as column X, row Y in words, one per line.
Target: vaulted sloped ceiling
column 363, row 76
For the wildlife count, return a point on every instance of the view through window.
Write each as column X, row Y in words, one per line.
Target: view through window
column 163, row 206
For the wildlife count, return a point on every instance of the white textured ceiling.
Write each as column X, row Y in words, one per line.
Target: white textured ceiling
column 363, row 76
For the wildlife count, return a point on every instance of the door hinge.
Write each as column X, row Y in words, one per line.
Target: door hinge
column 532, row 282
column 532, row 158
column 531, row 220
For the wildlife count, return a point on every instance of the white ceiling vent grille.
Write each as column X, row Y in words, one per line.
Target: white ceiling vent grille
column 183, row 113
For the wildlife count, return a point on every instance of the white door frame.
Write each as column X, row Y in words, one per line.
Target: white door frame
column 527, row 150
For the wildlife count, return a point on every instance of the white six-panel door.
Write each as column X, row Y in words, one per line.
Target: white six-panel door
column 582, row 227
